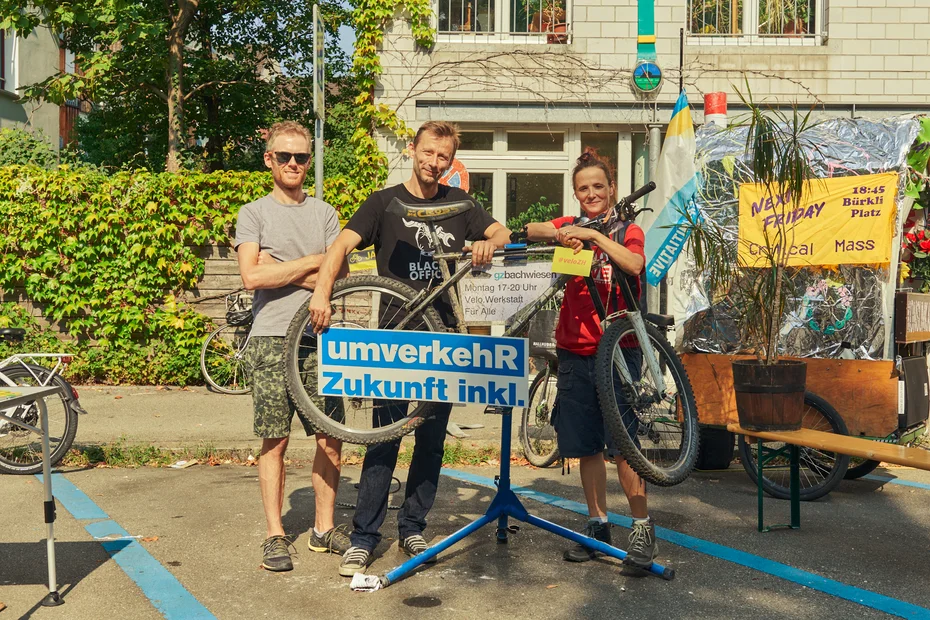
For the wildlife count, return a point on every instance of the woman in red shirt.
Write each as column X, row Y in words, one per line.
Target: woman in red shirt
column 577, row 414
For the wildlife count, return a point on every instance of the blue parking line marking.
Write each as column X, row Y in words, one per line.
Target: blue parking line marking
column 907, row 483
column 159, row 586
column 74, row 499
column 838, row 589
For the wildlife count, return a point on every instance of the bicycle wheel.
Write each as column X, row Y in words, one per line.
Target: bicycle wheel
column 859, row 467
column 536, row 432
column 222, row 360
column 820, row 471
column 21, row 449
column 363, row 302
column 657, row 432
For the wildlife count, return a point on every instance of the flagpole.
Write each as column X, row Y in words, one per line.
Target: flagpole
column 681, row 59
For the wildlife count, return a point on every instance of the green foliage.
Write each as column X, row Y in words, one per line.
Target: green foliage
column 18, row 146
column 541, row 211
column 107, row 257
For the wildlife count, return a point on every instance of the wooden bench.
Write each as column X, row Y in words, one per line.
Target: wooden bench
column 829, row 442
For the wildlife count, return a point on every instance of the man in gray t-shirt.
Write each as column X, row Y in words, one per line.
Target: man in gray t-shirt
column 280, row 242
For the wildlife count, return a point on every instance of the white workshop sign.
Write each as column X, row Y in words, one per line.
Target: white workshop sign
column 498, row 292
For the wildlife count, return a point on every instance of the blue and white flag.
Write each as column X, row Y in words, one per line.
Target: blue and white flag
column 676, row 186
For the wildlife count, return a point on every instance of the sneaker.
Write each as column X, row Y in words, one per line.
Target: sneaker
column 333, row 541
column 597, row 531
column 415, row 545
column 643, row 547
column 354, row 561
column 276, row 555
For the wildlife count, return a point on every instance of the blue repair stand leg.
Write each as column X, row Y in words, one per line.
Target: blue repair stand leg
column 506, row 505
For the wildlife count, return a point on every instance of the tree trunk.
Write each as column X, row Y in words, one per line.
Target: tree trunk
column 179, row 23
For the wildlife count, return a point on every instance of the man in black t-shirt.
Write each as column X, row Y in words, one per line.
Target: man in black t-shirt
column 402, row 253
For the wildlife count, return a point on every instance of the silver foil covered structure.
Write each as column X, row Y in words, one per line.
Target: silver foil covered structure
column 826, row 307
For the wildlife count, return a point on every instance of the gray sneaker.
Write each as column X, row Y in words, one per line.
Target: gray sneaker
column 414, row 546
column 643, row 548
column 276, row 555
column 355, row 560
column 333, row 541
column 580, row 553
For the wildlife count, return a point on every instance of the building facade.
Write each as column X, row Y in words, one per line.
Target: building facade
column 533, row 83
column 25, row 61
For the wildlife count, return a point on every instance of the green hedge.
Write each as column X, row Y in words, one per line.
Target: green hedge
column 108, row 255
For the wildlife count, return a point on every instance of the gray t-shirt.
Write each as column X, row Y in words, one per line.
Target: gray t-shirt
column 287, row 232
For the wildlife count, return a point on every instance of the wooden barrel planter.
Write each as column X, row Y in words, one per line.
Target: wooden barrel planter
column 769, row 398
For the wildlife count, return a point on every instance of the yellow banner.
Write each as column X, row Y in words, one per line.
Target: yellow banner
column 362, row 260
column 843, row 221
column 564, row 260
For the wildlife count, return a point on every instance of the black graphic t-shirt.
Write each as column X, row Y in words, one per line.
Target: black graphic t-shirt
column 402, row 247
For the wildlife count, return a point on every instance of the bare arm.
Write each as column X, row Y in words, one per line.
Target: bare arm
column 310, row 280
column 334, row 263
column 260, row 274
column 541, row 231
column 496, row 236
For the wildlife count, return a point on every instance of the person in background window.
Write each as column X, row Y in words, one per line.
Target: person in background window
column 577, row 416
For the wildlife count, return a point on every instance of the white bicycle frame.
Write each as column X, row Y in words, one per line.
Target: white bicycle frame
column 23, row 359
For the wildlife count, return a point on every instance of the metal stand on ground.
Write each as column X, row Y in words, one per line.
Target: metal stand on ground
column 23, row 396
column 506, row 505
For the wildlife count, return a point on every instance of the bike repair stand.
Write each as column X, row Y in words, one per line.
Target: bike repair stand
column 504, row 505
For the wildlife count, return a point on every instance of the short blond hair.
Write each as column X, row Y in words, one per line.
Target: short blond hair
column 287, row 127
column 440, row 129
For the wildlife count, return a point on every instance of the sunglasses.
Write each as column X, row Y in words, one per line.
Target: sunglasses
column 283, row 157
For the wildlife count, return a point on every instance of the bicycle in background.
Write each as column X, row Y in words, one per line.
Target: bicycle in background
column 21, row 449
column 222, row 358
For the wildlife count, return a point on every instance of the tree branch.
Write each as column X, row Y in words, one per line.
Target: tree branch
column 158, row 92
column 213, row 83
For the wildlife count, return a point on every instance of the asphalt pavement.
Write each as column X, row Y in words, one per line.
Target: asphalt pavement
column 150, row 543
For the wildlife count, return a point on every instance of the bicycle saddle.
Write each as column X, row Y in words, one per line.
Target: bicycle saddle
column 13, row 334
column 423, row 213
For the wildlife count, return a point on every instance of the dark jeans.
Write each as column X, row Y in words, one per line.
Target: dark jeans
column 378, row 468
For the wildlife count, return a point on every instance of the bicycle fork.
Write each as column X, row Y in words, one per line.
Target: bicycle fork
column 649, row 355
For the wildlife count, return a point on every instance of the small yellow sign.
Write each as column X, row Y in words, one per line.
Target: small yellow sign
column 564, row 260
column 362, row 260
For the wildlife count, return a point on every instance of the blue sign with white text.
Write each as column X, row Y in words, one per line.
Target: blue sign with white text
column 423, row 366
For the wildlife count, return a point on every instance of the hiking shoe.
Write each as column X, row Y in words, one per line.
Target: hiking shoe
column 580, row 553
column 643, row 547
column 355, row 560
column 276, row 555
column 415, row 545
column 333, row 541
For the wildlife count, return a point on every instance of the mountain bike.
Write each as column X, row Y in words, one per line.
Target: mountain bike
column 21, row 449
column 222, row 358
column 659, row 439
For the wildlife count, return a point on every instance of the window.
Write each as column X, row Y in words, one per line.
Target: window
column 534, row 141
column 526, row 190
column 789, row 22
column 544, row 21
column 476, row 141
column 7, row 61
column 481, row 188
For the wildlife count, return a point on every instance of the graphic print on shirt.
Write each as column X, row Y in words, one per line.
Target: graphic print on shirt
column 426, row 268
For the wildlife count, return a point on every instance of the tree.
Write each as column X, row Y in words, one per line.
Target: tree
column 169, row 75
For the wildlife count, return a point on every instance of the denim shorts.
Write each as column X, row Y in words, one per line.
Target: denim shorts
column 577, row 416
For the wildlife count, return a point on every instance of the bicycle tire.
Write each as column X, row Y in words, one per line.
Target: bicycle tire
column 860, row 467
column 654, row 428
column 239, row 384
column 29, row 455
column 296, row 384
column 536, row 457
column 821, row 471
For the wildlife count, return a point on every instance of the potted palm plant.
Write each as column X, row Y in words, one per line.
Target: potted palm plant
column 769, row 390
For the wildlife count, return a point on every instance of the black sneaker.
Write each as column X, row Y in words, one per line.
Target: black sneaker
column 355, row 560
column 643, row 548
column 415, row 545
column 333, row 541
column 580, row 553
column 276, row 555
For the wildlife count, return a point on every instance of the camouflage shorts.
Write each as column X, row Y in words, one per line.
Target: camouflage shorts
column 274, row 409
